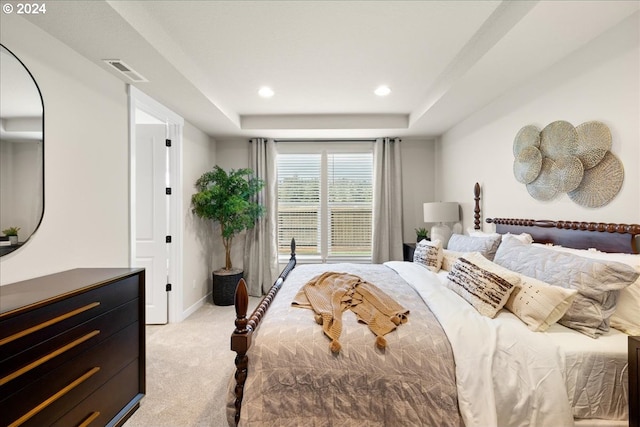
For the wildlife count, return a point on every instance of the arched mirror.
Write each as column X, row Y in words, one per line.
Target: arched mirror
column 21, row 153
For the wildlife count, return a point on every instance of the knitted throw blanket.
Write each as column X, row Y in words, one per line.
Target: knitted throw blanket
column 330, row 294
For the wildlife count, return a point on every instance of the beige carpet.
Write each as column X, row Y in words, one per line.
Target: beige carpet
column 188, row 369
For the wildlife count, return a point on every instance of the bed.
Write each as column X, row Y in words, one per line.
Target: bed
column 448, row 365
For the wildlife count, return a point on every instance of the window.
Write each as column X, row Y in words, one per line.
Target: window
column 325, row 201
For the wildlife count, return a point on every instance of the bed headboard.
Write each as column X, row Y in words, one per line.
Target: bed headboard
column 605, row 237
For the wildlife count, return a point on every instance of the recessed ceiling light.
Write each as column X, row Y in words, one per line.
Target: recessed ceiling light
column 265, row 92
column 382, row 90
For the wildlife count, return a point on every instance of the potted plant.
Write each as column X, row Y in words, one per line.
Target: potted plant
column 228, row 199
column 421, row 234
column 12, row 234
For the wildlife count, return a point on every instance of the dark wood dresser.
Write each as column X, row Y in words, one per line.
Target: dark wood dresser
column 634, row 381
column 72, row 348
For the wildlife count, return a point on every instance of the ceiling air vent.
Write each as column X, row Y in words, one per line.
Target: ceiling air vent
column 125, row 70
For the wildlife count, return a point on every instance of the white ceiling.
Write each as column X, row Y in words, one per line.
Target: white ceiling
column 443, row 60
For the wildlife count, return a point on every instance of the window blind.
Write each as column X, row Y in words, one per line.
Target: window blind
column 325, row 202
column 299, row 203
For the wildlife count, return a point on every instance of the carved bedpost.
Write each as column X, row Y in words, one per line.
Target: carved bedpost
column 241, row 337
column 240, row 342
column 476, row 197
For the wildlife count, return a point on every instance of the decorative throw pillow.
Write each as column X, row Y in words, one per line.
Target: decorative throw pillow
column 597, row 282
column 428, row 254
column 449, row 257
column 539, row 304
column 483, row 284
column 487, row 246
column 626, row 317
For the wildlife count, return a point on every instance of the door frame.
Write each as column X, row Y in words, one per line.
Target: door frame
column 175, row 125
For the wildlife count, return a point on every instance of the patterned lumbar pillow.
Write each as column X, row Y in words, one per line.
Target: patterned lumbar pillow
column 449, row 258
column 483, row 284
column 429, row 254
column 539, row 304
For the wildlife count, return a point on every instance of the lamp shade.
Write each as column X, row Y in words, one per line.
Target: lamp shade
column 441, row 212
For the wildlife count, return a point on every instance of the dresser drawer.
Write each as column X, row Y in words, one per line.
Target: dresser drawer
column 101, row 406
column 51, row 396
column 28, row 366
column 35, row 326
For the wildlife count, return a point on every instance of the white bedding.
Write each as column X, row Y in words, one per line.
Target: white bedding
column 559, row 365
column 521, row 381
column 596, row 371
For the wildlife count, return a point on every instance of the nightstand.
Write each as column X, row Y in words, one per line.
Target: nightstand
column 634, row 381
column 407, row 251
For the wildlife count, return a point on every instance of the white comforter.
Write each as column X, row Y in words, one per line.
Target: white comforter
column 506, row 375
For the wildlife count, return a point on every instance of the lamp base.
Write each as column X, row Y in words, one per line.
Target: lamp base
column 441, row 232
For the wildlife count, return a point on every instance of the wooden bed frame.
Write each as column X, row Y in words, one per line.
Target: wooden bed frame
column 622, row 238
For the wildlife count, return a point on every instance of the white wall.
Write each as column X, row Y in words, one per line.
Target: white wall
column 85, row 222
column 198, row 156
column 600, row 82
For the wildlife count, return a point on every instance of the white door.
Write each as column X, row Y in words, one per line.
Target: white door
column 151, row 217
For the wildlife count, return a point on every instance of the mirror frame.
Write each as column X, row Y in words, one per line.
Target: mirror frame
column 5, row 250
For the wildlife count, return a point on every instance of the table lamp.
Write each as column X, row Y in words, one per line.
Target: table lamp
column 439, row 213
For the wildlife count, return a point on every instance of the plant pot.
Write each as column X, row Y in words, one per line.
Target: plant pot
column 13, row 240
column 421, row 238
column 224, row 285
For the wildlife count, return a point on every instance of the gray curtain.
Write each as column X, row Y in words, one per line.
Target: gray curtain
column 261, row 246
column 387, row 201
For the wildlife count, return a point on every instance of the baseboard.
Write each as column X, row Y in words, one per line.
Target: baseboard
column 189, row 311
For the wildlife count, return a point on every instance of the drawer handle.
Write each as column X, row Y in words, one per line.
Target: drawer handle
column 55, row 397
column 48, row 323
column 48, row 357
column 89, row 419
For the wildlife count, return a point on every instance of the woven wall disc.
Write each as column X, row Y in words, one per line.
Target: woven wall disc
column 527, row 165
column 558, row 139
column 600, row 184
column 544, row 186
column 594, row 140
column 528, row 136
column 569, row 172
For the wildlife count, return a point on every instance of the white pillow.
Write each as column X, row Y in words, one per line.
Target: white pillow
column 486, row 245
column 523, row 237
column 626, row 317
column 428, row 254
column 539, row 304
column 483, row 284
column 598, row 282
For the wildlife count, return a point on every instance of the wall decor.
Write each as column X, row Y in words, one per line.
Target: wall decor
column 544, row 187
column 600, row 184
column 527, row 165
column 528, row 136
column 558, row 139
column 566, row 159
column 594, row 141
column 569, row 172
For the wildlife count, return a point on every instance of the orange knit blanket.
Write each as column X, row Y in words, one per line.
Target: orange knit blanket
column 330, row 294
